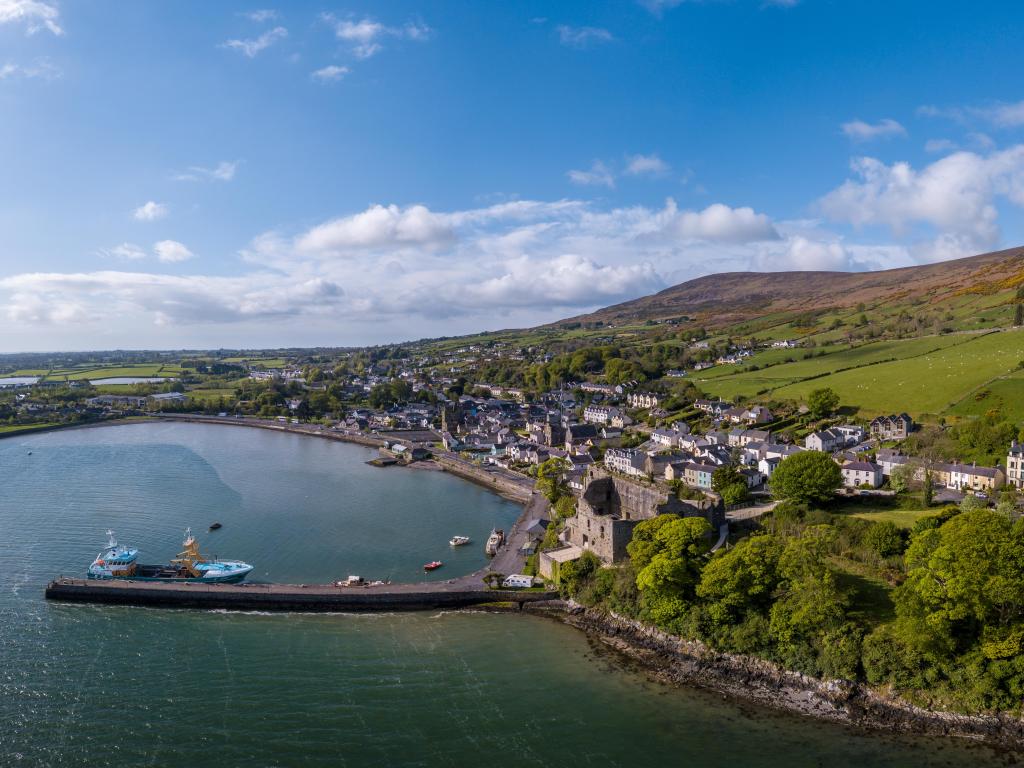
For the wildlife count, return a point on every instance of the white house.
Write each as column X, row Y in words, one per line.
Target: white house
column 858, row 473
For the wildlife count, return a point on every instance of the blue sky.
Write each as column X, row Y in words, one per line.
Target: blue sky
column 244, row 174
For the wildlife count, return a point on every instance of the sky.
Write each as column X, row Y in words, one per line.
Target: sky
column 188, row 174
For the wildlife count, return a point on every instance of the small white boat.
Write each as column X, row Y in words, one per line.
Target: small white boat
column 494, row 541
column 458, row 541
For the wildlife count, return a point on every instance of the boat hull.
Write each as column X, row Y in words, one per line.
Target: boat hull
column 166, row 574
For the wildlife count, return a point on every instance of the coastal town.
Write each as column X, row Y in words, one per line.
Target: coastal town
column 623, row 452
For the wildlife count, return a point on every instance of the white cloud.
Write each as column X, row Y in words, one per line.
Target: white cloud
column 378, row 227
column 223, row 171
column 171, row 251
column 254, row 45
column 956, row 196
column 42, row 69
column 649, row 165
column 36, row 15
column 125, row 252
column 330, row 74
column 262, row 15
column 858, row 130
column 150, row 211
column 364, row 35
column 721, row 223
column 999, row 114
column 599, row 175
column 583, row 37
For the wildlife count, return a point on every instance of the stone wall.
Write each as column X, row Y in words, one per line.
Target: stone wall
column 612, row 506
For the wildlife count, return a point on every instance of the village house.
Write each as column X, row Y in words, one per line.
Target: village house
column 713, row 407
column 741, row 437
column 858, row 473
column 826, row 440
column 628, row 461
column 643, row 400
column 1015, row 465
column 892, row 427
column 698, row 475
column 597, row 414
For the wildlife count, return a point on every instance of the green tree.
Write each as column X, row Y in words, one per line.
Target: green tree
column 740, row 580
column 885, row 539
column 730, row 484
column 808, row 476
column 1018, row 314
column 822, row 402
column 929, row 488
column 899, row 479
column 551, row 479
column 965, row 581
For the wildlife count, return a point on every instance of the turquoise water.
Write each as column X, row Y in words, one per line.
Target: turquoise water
column 98, row 686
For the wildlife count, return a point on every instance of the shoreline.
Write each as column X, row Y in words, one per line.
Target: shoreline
column 677, row 662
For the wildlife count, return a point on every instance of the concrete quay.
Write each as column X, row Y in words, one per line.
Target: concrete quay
column 316, row 598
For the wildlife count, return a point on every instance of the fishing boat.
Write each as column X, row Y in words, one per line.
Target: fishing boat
column 433, row 566
column 215, row 526
column 494, row 541
column 459, row 541
column 120, row 562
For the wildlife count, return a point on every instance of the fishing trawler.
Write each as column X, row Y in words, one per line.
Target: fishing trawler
column 120, row 562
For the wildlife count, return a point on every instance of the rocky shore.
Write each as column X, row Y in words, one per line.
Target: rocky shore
column 683, row 662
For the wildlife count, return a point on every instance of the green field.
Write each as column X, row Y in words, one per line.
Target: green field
column 930, row 375
column 928, row 384
column 105, row 372
column 1005, row 394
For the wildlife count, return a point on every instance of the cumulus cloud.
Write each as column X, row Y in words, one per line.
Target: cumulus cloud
column 171, row 251
column 599, row 175
column 513, row 262
column 858, row 130
column 34, row 14
column 377, row 227
column 253, row 46
column 223, row 171
column 721, row 223
column 330, row 74
column 646, row 165
column 583, row 37
column 956, row 196
column 150, row 211
column 364, row 36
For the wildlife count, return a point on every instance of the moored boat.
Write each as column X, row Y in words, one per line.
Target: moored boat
column 215, row 526
column 433, row 566
column 459, row 541
column 494, row 541
column 121, row 562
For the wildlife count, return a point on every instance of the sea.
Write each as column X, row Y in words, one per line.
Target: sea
column 84, row 685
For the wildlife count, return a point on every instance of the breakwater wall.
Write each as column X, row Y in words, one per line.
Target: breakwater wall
column 320, row 598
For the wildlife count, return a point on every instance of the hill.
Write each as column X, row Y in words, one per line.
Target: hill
column 730, row 297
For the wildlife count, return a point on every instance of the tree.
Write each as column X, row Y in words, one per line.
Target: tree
column 885, row 539
column 809, row 476
column 730, row 484
column 965, row 582
column 670, row 556
column 900, row 478
column 1018, row 314
column 929, row 488
column 822, row 402
column 971, row 503
column 740, row 580
column 551, row 478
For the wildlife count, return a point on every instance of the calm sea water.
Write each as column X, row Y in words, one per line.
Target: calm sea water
column 103, row 686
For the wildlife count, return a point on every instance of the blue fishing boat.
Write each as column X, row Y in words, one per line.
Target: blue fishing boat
column 120, row 562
